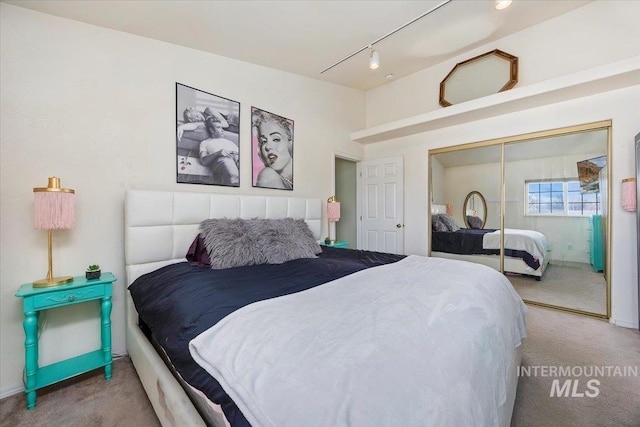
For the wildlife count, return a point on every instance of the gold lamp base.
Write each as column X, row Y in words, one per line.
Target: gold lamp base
column 50, row 280
column 54, row 281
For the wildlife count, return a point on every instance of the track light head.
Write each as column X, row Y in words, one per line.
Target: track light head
column 374, row 60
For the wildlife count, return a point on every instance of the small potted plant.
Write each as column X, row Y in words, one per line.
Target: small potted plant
column 93, row 272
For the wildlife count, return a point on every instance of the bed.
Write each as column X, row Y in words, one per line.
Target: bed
column 527, row 252
column 161, row 226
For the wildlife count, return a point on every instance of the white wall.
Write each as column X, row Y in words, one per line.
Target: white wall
column 96, row 108
column 437, row 173
column 599, row 33
column 459, row 181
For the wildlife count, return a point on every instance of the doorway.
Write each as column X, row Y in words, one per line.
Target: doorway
column 371, row 198
column 346, row 192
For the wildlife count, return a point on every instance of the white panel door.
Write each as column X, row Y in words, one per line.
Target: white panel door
column 381, row 205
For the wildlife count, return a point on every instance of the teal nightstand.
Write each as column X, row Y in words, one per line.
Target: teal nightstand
column 339, row 244
column 35, row 300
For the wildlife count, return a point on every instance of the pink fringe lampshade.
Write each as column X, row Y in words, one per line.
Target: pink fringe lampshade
column 54, row 209
column 629, row 194
column 333, row 214
column 333, row 211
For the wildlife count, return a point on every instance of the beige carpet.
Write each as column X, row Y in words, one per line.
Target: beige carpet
column 85, row 401
column 554, row 339
column 574, row 286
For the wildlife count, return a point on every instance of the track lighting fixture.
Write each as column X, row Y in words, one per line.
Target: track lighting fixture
column 374, row 59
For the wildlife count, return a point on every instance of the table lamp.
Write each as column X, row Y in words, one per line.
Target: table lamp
column 333, row 214
column 629, row 194
column 54, row 209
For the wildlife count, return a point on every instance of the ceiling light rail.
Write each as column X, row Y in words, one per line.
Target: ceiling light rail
column 370, row 45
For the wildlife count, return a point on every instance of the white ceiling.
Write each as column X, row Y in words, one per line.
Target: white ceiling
column 306, row 37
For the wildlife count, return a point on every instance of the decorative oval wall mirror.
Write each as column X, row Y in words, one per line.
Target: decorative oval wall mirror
column 475, row 210
column 483, row 75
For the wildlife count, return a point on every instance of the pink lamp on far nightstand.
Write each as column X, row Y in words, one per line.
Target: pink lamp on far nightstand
column 333, row 214
column 54, row 209
column 629, row 194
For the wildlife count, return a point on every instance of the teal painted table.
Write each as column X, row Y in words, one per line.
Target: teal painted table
column 35, row 300
column 337, row 244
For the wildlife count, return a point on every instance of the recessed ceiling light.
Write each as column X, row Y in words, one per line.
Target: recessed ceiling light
column 389, row 76
column 502, row 4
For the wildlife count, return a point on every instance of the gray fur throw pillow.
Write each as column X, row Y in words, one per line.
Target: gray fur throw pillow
column 304, row 234
column 437, row 224
column 448, row 222
column 282, row 240
column 229, row 243
column 474, row 221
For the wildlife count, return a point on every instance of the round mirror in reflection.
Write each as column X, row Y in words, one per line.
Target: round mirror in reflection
column 475, row 210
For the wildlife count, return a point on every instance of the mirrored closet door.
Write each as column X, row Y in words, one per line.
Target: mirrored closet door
column 466, row 188
column 532, row 206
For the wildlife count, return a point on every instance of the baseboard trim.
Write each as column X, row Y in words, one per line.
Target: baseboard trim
column 11, row 392
column 625, row 324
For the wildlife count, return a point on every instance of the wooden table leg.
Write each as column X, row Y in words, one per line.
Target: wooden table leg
column 30, row 325
column 105, row 312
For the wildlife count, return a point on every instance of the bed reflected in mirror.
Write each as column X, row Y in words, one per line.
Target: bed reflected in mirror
column 465, row 183
column 552, row 240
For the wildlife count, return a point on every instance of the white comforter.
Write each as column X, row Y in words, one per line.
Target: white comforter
column 421, row 342
column 530, row 241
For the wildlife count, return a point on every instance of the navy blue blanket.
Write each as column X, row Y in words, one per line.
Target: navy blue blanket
column 180, row 301
column 468, row 241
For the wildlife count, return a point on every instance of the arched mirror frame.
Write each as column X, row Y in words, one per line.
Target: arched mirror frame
column 606, row 124
column 484, row 208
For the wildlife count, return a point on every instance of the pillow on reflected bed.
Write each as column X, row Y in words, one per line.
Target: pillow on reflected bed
column 227, row 243
column 443, row 222
column 474, row 222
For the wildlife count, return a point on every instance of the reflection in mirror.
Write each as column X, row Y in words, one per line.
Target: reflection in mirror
column 555, row 237
column 563, row 180
column 466, row 180
column 475, row 210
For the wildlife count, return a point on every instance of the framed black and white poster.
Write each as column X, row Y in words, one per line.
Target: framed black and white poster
column 207, row 138
column 272, row 150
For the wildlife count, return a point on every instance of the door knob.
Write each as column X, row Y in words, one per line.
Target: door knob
column 398, row 225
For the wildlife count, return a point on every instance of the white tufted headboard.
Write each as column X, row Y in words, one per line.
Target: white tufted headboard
column 160, row 225
column 438, row 209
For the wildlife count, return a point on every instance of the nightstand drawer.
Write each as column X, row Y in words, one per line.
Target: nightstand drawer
column 57, row 299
